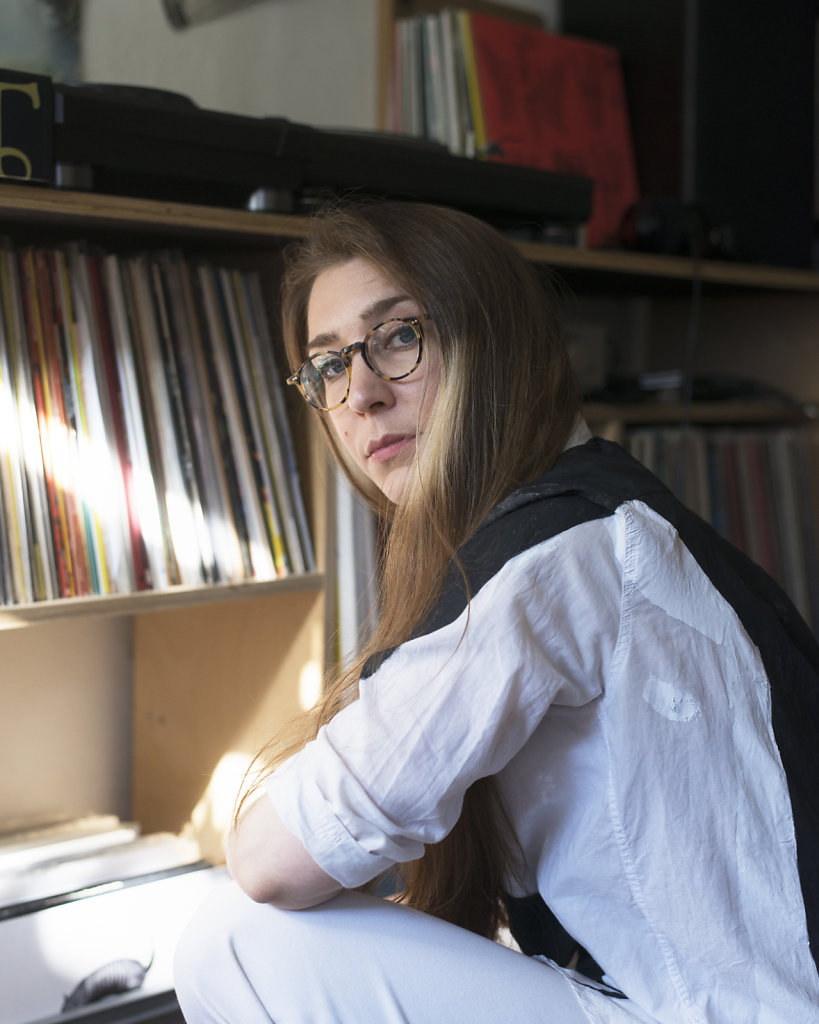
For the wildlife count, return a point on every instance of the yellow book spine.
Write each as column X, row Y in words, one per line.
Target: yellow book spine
column 472, row 82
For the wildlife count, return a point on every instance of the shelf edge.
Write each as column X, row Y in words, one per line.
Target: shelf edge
column 22, row 615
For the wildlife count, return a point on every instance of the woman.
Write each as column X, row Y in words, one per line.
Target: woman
column 581, row 713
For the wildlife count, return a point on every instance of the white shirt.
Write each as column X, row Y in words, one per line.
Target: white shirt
column 626, row 714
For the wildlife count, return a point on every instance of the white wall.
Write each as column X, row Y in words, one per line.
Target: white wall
column 312, row 61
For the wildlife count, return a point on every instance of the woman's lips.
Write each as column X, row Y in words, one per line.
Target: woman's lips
column 388, row 447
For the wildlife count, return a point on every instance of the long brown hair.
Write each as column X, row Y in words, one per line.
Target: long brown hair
column 505, row 405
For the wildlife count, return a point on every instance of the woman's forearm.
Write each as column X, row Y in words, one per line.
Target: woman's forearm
column 272, row 865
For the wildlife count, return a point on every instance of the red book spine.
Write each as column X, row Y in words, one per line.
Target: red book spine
column 60, row 422
column 39, row 382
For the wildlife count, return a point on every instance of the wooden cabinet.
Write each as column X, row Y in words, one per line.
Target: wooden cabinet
column 149, row 705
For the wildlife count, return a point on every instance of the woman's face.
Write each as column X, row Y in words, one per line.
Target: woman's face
column 381, row 424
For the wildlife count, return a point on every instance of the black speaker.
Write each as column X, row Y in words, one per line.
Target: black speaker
column 721, row 99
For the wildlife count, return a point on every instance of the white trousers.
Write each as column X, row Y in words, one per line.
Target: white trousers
column 363, row 960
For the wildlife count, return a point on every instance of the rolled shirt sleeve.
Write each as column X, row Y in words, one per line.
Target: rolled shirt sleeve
column 388, row 774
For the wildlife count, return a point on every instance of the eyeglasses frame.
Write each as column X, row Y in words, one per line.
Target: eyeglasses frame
column 346, row 354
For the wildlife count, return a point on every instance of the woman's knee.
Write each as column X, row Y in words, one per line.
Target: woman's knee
column 212, row 983
column 240, row 960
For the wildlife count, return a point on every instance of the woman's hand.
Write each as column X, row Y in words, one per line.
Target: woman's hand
column 271, row 865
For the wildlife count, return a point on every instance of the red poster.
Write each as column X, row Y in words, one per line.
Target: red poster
column 558, row 103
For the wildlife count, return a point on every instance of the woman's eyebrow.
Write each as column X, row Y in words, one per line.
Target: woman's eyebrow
column 380, row 308
column 383, row 306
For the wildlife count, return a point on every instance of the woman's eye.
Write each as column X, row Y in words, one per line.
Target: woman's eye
column 398, row 336
column 329, row 366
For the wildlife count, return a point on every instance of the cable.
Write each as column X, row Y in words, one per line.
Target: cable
column 689, row 359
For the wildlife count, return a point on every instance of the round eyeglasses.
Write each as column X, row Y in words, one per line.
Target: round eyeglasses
column 392, row 350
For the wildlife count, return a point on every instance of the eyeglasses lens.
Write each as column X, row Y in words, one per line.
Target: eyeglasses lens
column 325, row 380
column 393, row 349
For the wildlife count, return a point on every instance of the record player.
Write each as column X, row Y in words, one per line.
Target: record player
column 135, row 141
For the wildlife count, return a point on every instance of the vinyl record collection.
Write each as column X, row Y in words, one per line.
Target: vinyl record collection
column 144, row 438
column 757, row 487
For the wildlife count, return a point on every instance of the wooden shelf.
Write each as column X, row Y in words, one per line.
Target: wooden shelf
column 622, row 266
column 94, row 213
column 44, row 206
column 47, row 206
column 16, row 616
column 745, row 412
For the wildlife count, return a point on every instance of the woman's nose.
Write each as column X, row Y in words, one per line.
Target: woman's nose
column 367, row 389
